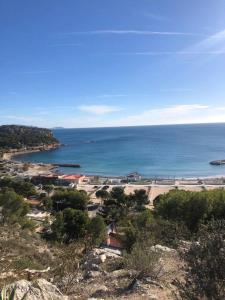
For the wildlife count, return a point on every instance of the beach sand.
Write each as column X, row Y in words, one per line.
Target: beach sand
column 39, row 169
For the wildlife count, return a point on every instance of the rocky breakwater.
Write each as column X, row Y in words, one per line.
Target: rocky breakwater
column 217, row 162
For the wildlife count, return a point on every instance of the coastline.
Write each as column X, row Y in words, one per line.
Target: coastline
column 39, row 168
column 11, row 154
column 29, row 168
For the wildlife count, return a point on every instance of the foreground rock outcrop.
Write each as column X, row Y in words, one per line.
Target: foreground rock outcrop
column 103, row 276
column 40, row 289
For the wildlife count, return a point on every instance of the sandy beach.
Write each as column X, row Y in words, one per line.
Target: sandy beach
column 153, row 187
column 30, row 169
column 13, row 153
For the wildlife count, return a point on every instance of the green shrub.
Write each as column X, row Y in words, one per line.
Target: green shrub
column 143, row 260
column 26, row 263
column 191, row 208
column 14, row 209
column 205, row 265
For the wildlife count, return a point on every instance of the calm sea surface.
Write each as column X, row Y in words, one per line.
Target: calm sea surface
column 164, row 151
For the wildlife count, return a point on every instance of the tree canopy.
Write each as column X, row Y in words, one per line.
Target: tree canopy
column 72, row 224
column 13, row 208
column 117, row 205
column 21, row 187
column 16, row 137
column 192, row 208
column 75, row 199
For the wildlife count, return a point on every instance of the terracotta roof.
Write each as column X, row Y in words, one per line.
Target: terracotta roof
column 72, row 176
column 33, row 202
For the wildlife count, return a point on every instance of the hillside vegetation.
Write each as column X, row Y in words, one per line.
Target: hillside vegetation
column 17, row 137
column 174, row 251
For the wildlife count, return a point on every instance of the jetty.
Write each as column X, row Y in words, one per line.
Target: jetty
column 67, row 165
column 218, row 162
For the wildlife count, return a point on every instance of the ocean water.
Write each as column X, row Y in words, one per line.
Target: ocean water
column 153, row 151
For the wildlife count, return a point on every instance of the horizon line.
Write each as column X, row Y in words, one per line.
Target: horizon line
column 122, row 126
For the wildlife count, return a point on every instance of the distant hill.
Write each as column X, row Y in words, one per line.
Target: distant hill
column 18, row 137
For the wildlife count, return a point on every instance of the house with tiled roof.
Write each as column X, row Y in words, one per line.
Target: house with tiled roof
column 71, row 179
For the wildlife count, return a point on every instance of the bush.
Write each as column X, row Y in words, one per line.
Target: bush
column 97, row 231
column 26, row 263
column 66, row 271
column 129, row 238
column 192, row 208
column 143, row 260
column 47, row 203
column 161, row 231
column 168, row 233
column 70, row 225
column 14, row 209
column 205, row 265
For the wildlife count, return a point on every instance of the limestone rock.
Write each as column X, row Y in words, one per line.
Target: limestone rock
column 95, row 267
column 153, row 297
column 160, row 248
column 40, row 289
column 119, row 273
column 101, row 291
column 102, row 258
column 92, row 274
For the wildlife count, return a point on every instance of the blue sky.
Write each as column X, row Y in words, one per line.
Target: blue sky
column 82, row 63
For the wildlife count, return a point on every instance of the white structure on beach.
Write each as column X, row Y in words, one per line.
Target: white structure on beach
column 133, row 177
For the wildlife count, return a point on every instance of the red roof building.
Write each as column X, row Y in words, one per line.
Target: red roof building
column 71, row 178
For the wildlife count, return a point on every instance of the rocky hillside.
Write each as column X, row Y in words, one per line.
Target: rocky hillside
column 45, row 271
column 18, row 137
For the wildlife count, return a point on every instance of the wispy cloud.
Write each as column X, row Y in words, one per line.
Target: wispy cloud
column 174, row 114
column 99, row 109
column 210, row 46
column 155, row 17
column 166, row 90
column 214, row 44
column 169, row 53
column 132, row 32
column 212, row 41
column 177, row 114
column 104, row 96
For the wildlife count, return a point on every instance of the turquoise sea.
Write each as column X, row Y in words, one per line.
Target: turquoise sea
column 153, row 151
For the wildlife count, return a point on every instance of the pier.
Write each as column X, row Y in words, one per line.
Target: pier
column 67, row 165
